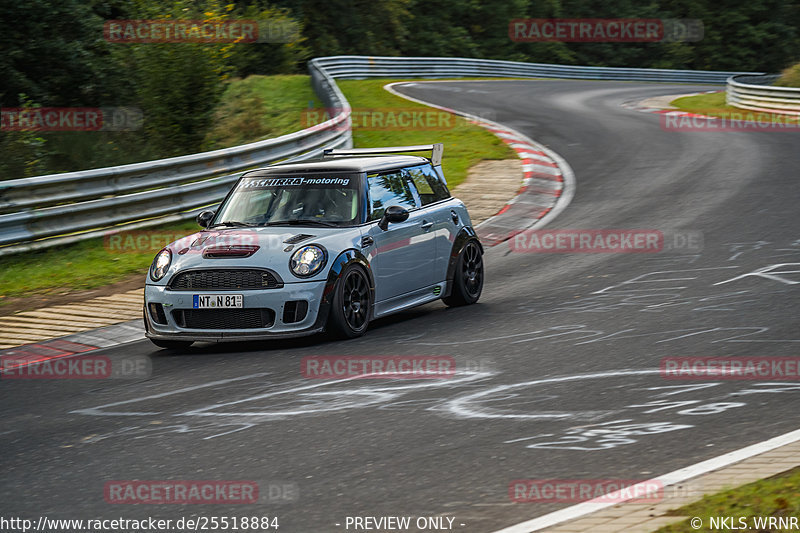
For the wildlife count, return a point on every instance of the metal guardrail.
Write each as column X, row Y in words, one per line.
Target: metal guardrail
column 355, row 67
column 79, row 205
column 60, row 208
column 757, row 93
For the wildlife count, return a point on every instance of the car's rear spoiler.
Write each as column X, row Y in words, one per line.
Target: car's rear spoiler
column 437, row 150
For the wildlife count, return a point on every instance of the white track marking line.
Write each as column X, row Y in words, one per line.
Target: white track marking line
column 677, row 476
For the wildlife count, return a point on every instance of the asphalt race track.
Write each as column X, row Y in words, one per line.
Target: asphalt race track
column 558, row 363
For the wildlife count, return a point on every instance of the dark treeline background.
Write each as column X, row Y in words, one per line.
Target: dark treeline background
column 52, row 53
column 750, row 35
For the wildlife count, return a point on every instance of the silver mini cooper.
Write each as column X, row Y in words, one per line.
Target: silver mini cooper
column 329, row 244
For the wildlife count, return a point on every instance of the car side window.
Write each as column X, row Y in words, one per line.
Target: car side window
column 386, row 190
column 428, row 185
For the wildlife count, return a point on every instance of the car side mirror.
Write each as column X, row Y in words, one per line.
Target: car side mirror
column 393, row 214
column 204, row 218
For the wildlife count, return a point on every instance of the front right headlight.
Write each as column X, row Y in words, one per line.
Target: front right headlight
column 160, row 264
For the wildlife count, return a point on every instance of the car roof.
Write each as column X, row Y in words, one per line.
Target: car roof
column 342, row 164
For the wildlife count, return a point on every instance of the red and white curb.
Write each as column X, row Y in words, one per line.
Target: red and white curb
column 77, row 344
column 542, row 186
column 638, row 106
column 548, row 184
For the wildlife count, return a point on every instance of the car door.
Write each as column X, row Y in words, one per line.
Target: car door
column 402, row 256
column 432, row 195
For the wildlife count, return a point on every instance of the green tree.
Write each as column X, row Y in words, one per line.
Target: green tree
column 53, row 52
column 366, row 27
column 759, row 35
column 176, row 84
column 282, row 48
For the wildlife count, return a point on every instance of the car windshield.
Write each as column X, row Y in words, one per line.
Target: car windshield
column 322, row 200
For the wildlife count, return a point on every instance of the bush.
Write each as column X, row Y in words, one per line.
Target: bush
column 790, row 77
column 260, row 107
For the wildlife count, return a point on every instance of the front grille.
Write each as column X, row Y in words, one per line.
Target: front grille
column 224, row 318
column 225, row 280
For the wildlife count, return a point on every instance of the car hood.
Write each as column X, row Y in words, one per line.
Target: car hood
column 269, row 247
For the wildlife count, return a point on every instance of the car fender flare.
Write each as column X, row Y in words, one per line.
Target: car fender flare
column 342, row 261
column 465, row 235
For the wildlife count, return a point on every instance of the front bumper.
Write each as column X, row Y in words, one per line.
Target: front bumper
column 175, row 302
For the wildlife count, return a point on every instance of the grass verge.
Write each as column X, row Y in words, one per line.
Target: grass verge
column 378, row 117
column 252, row 109
column 777, row 496
column 85, row 265
column 260, row 107
column 790, row 77
column 714, row 105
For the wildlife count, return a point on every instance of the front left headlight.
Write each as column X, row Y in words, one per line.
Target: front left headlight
column 308, row 260
column 160, row 264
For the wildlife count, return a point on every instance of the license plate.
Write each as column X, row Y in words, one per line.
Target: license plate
column 217, row 301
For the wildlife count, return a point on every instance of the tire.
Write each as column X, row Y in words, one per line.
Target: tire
column 351, row 306
column 468, row 277
column 172, row 345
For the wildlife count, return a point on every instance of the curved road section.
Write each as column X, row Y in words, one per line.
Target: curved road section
column 558, row 365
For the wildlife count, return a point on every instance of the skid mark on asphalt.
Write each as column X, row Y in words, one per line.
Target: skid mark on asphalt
column 692, row 290
column 555, row 413
column 569, row 333
column 779, row 273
